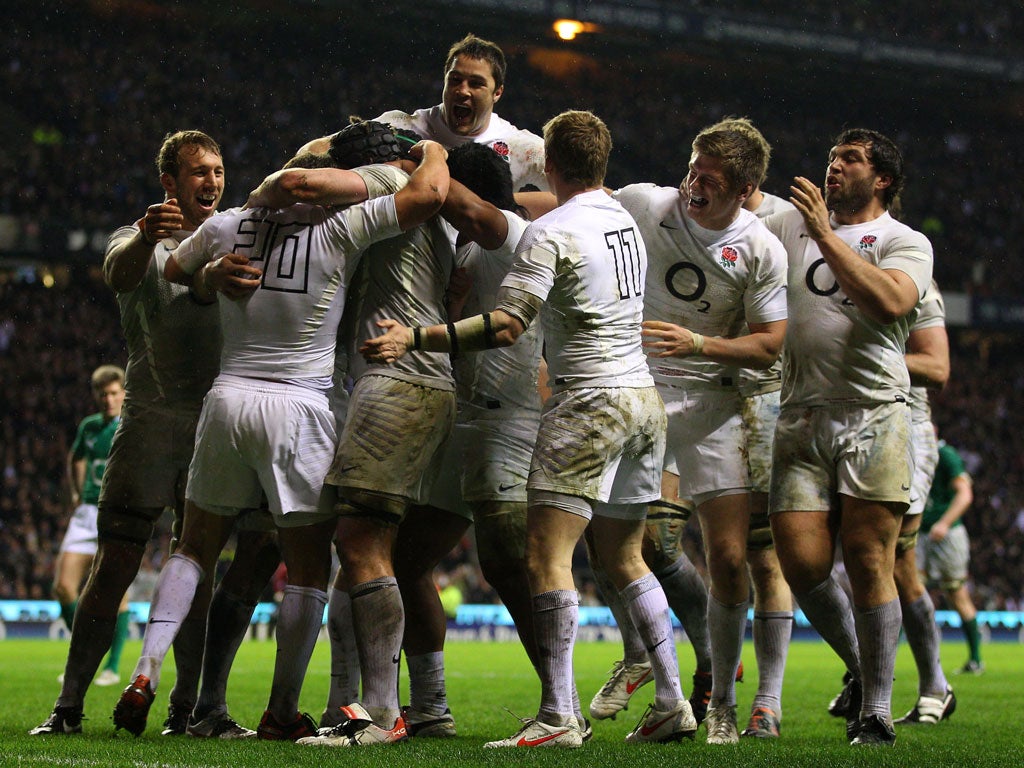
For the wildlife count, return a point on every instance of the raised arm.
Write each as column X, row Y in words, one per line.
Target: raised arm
column 126, row 262
column 428, row 186
column 884, row 295
column 318, row 186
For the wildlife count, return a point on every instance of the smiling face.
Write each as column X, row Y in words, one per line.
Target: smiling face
column 709, row 199
column 198, row 184
column 469, row 95
column 850, row 179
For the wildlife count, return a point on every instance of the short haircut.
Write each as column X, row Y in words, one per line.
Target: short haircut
column 169, row 156
column 106, row 375
column 309, row 159
column 475, row 47
column 577, row 144
column 885, row 157
column 483, row 171
column 742, row 150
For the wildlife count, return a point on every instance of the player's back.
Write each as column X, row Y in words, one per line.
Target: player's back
column 594, row 307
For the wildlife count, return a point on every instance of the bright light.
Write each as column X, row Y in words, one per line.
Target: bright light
column 567, row 29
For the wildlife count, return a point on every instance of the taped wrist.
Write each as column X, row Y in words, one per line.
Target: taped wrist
column 472, row 334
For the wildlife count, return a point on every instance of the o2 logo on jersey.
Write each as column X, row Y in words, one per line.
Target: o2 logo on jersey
column 502, row 149
column 728, row 257
column 867, row 242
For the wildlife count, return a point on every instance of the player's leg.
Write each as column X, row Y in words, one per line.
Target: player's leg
column 425, row 536
column 724, row 521
column 618, row 536
column 69, row 574
column 773, row 622
column 551, row 536
column 500, row 528
column 306, row 551
column 935, row 698
column 257, row 556
column 344, row 685
column 109, row 674
column 869, row 533
column 203, row 537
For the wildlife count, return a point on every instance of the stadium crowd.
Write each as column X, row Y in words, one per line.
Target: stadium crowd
column 262, row 108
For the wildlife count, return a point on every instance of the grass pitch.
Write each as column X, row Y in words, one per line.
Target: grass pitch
column 485, row 679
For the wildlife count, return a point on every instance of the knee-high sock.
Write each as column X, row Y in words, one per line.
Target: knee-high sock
column 687, row 596
column 299, row 621
column 117, row 644
column 228, row 624
column 772, row 633
column 556, row 620
column 633, row 651
column 648, row 608
column 344, row 688
column 172, row 599
column 830, row 612
column 427, row 691
column 878, row 631
column 727, row 625
column 923, row 639
column 379, row 621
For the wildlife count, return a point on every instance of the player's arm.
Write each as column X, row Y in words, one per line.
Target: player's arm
column 536, row 204
column 884, row 295
column 498, row 328
column 928, row 357
column 126, row 262
column 475, row 218
column 230, row 274
column 76, row 477
column 428, row 186
column 317, row 186
column 963, row 495
column 758, row 350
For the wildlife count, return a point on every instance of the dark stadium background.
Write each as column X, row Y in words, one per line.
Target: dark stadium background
column 90, row 88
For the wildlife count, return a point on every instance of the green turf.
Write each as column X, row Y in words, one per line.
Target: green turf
column 485, row 679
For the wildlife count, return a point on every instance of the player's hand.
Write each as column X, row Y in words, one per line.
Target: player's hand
column 389, row 346
column 262, row 196
column 810, row 202
column 162, row 220
column 666, row 340
column 421, row 149
column 938, row 532
column 232, row 275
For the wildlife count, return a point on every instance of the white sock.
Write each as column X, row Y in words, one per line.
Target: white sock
column 172, row 599
column 427, row 692
column 555, row 621
column 727, row 625
column 648, row 608
column 300, row 618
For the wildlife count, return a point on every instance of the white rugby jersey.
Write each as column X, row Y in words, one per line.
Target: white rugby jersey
column 404, row 279
column 506, row 375
column 760, row 382
column 931, row 313
column 287, row 329
column 709, row 282
column 833, row 353
column 174, row 342
column 523, row 150
column 586, row 259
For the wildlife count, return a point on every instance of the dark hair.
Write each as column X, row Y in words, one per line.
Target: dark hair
column 484, row 172
column 884, row 155
column 477, row 48
column 168, row 157
column 364, row 142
